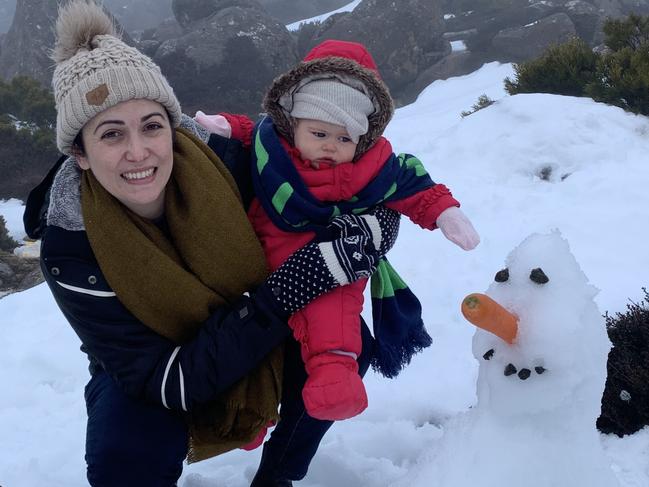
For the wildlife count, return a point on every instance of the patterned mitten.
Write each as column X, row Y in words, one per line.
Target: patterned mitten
column 319, row 267
column 381, row 223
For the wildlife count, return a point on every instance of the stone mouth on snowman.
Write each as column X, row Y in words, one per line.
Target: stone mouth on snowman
column 486, row 313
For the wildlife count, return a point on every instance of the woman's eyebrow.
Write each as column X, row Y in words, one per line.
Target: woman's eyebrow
column 121, row 122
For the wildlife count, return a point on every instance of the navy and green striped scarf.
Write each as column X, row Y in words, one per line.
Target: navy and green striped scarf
column 396, row 312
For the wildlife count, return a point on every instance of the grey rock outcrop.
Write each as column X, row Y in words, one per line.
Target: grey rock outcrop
column 587, row 20
column 227, row 61
column 25, row 48
column 139, row 14
column 18, row 274
column 288, row 11
column 7, row 8
column 404, row 37
column 188, row 12
column 529, row 41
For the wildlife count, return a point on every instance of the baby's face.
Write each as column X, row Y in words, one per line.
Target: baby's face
column 323, row 143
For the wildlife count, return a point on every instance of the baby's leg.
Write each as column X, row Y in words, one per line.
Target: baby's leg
column 330, row 336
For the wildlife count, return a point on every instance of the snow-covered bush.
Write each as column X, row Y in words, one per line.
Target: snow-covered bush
column 625, row 403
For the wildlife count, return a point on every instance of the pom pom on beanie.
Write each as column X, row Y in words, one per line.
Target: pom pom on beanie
column 95, row 70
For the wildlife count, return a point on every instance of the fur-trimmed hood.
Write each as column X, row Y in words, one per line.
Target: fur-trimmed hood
column 350, row 63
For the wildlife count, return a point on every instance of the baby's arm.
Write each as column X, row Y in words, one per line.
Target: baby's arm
column 228, row 125
column 434, row 208
column 424, row 207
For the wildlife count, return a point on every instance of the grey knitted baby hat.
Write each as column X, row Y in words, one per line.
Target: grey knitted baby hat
column 332, row 101
column 95, row 70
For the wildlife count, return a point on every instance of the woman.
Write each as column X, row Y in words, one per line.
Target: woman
column 148, row 252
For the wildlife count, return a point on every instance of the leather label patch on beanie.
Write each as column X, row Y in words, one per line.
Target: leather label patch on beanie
column 98, row 95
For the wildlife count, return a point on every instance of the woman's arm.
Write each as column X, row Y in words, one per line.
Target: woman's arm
column 229, row 344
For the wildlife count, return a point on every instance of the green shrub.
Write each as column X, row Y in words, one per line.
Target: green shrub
column 632, row 32
column 618, row 77
column 483, row 102
column 6, row 242
column 564, row 69
column 27, row 137
column 623, row 80
column 27, row 100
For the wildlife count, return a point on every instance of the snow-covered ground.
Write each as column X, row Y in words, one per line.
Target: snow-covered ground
column 594, row 161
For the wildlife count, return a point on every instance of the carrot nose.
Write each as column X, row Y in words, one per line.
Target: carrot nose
column 487, row 314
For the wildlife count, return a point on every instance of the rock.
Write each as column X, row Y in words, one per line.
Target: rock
column 455, row 64
column 586, row 18
column 227, row 61
column 288, row 11
column 529, row 41
column 139, row 14
column 26, row 47
column 5, row 270
column 188, row 12
column 17, row 274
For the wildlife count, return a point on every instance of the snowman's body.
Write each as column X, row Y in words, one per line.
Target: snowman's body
column 538, row 398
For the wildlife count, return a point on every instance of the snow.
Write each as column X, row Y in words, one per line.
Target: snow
column 457, row 46
column 528, row 164
column 321, row 18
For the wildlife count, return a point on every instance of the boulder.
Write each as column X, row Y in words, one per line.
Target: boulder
column 288, row 11
column 26, row 47
column 7, row 8
column 227, row 61
column 18, row 274
column 455, row 64
column 139, row 14
column 519, row 44
column 587, row 20
column 188, row 12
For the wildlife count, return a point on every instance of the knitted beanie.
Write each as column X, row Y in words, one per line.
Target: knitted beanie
column 95, row 70
column 330, row 100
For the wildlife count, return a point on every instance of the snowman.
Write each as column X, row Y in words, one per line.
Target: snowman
column 542, row 347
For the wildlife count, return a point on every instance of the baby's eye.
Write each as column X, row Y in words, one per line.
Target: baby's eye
column 344, row 139
column 319, row 135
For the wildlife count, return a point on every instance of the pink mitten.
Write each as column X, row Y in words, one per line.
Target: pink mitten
column 259, row 439
column 457, row 228
column 216, row 124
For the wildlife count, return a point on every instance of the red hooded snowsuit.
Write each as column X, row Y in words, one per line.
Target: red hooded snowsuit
column 328, row 329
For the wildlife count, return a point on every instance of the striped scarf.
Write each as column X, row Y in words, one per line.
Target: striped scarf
column 396, row 312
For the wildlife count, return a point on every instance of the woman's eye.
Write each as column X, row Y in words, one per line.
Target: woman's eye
column 153, row 126
column 110, row 134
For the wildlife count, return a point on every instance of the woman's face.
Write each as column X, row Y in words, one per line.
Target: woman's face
column 129, row 150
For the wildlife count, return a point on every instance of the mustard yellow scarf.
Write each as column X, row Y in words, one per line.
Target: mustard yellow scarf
column 172, row 282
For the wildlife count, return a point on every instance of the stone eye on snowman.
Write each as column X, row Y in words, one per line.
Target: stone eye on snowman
column 541, row 340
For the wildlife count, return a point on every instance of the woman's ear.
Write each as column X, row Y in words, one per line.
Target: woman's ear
column 82, row 160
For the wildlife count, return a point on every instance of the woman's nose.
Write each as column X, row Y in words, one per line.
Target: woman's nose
column 137, row 150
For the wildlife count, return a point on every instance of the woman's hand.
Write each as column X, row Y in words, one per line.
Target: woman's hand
column 319, row 267
column 381, row 224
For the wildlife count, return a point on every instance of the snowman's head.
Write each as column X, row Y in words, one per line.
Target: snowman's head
column 558, row 358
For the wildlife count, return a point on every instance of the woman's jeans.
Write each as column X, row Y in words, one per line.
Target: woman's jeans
column 133, row 443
